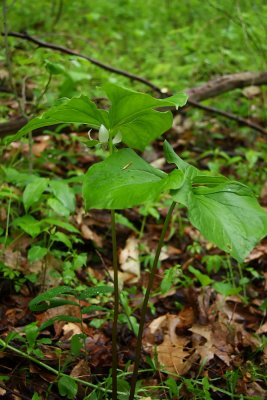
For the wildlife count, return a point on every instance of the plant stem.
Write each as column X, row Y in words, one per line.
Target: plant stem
column 146, row 299
column 116, row 307
column 116, row 294
column 48, row 368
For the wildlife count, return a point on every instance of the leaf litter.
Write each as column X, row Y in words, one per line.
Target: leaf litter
column 188, row 329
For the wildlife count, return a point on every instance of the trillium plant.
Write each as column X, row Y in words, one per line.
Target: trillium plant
column 226, row 212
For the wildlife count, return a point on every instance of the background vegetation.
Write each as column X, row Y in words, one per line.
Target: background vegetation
column 46, row 238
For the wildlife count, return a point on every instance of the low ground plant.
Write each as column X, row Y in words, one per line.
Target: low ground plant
column 225, row 211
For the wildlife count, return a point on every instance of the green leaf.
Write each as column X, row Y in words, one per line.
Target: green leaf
column 64, row 225
column 203, row 278
column 33, row 192
column 31, row 332
column 76, row 343
column 64, row 194
column 124, row 180
column 91, row 309
column 76, row 110
column 36, row 253
column 145, row 129
column 225, row 212
column 181, row 193
column 229, row 216
column 28, row 224
column 226, row 289
column 127, row 104
column 61, row 237
column 122, row 220
column 173, row 158
column 123, row 389
column 16, row 177
column 133, row 115
column 67, row 387
column 168, row 279
column 58, row 207
column 49, row 295
column 54, row 68
column 95, row 291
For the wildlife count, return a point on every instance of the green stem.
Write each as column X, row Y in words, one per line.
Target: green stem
column 48, row 368
column 116, row 307
column 116, row 294
column 146, row 299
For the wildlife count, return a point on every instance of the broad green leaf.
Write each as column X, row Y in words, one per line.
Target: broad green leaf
column 124, row 180
column 127, row 104
column 225, row 212
column 209, row 181
column 64, row 194
column 33, row 192
column 36, row 253
column 182, row 192
column 67, row 387
column 173, row 158
column 76, row 110
column 28, row 224
column 229, row 216
column 146, row 128
column 133, row 115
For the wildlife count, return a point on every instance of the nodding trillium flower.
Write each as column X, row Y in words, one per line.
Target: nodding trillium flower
column 89, row 134
column 117, row 138
column 103, row 135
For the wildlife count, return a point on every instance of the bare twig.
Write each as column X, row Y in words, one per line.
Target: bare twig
column 210, row 89
column 233, row 117
column 65, row 50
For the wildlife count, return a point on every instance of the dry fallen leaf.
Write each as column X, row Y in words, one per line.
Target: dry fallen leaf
column 172, row 352
column 129, row 259
column 216, row 342
column 251, row 91
column 262, row 329
column 68, row 309
column 81, row 370
column 88, row 234
column 71, row 329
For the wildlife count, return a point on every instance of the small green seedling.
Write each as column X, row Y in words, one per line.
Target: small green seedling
column 226, row 212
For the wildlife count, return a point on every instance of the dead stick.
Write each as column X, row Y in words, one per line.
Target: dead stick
column 65, row 50
column 253, row 78
column 228, row 115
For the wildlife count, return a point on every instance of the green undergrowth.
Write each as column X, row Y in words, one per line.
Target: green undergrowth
column 176, row 47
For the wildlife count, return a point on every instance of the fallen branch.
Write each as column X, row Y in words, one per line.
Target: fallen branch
column 233, row 117
column 226, row 83
column 65, row 50
column 212, row 88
